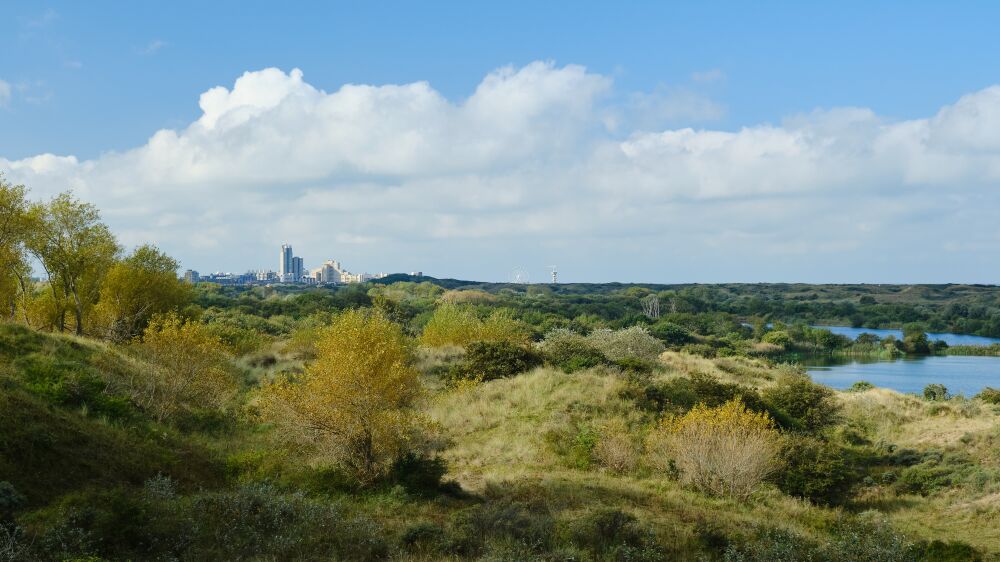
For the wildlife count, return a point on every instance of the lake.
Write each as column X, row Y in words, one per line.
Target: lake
column 950, row 339
column 960, row 374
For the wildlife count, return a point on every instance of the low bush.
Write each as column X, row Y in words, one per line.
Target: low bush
column 778, row 337
column 772, row 544
column 570, row 351
column 726, row 451
column 612, row 534
column 813, row 407
column 486, row 361
column 861, row 386
column 815, row 470
column 424, row 538
column 946, row 551
column 989, row 395
column 581, row 451
column 936, row 393
column 628, row 344
column 671, row 334
column 679, row 395
column 529, row 526
column 422, row 476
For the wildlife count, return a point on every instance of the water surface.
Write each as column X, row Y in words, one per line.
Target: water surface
column 960, row 374
column 950, row 339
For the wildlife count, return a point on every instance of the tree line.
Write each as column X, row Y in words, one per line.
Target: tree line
column 91, row 285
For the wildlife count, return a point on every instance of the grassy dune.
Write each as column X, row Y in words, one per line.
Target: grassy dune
column 526, row 451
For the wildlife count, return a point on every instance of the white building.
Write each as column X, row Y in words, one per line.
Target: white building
column 332, row 272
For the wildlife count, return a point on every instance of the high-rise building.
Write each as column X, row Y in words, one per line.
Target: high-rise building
column 285, row 261
column 296, row 269
column 191, row 276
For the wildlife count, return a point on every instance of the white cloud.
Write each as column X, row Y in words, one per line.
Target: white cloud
column 524, row 171
column 5, row 93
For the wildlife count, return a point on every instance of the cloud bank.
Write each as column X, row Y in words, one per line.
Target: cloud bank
column 529, row 171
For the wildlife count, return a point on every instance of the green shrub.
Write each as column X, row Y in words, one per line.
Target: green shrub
column 634, row 343
column 869, row 537
column 424, row 537
column 530, row 526
column 671, row 334
column 935, row 471
column 936, row 393
column 494, row 360
column 570, row 351
column 814, row 469
column 612, row 534
column 420, row 475
column 678, row 395
column 777, row 337
column 582, row 449
column 950, row 551
column 812, row 406
column 258, row 521
column 989, row 395
column 861, row 386
column 674, row 396
column 770, row 544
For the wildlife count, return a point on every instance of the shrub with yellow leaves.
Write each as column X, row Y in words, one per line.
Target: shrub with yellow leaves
column 353, row 404
column 458, row 325
column 724, row 451
column 191, row 368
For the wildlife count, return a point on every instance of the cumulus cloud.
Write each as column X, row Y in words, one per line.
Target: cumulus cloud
column 525, row 172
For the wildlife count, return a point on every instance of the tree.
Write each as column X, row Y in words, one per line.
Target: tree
column 143, row 284
column 14, row 228
column 191, row 368
column 353, row 404
column 75, row 249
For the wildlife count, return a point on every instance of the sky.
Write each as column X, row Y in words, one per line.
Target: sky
column 626, row 141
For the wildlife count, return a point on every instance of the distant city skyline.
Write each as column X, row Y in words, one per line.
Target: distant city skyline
column 636, row 142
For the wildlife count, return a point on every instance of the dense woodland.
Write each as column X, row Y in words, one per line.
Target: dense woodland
column 421, row 419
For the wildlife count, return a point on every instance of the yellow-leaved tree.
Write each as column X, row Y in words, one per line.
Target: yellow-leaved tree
column 190, row 368
column 724, row 451
column 353, row 404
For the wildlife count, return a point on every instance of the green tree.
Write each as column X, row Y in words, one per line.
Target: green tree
column 14, row 229
column 76, row 249
column 143, row 284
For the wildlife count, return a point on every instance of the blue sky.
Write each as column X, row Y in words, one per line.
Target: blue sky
column 89, row 80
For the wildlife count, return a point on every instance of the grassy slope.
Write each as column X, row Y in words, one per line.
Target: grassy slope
column 507, row 437
column 502, row 432
column 53, row 439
